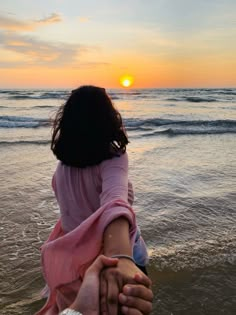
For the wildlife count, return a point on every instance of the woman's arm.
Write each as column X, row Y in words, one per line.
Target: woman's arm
column 116, row 237
column 117, row 242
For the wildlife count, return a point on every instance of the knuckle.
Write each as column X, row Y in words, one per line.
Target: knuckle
column 130, row 301
column 110, row 272
column 115, row 272
column 112, row 299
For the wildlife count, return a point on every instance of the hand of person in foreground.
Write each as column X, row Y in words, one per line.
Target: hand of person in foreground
column 135, row 299
column 118, row 282
column 87, row 300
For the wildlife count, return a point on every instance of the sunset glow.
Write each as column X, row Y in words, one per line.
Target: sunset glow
column 64, row 44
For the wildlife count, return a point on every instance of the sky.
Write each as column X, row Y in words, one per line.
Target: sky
column 160, row 43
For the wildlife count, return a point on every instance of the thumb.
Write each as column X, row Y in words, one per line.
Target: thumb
column 101, row 262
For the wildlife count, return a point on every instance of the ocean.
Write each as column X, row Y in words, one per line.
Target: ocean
column 182, row 156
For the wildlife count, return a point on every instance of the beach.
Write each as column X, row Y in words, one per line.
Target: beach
column 182, row 157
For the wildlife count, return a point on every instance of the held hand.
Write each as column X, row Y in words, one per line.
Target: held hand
column 112, row 282
column 136, row 299
column 87, row 300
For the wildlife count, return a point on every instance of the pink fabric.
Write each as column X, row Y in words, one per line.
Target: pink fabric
column 65, row 257
column 89, row 199
column 80, row 192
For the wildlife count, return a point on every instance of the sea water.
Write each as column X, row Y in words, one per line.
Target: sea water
column 182, row 156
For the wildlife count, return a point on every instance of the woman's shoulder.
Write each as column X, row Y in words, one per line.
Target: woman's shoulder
column 117, row 160
column 121, row 157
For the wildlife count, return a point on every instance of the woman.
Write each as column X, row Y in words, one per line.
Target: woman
column 95, row 197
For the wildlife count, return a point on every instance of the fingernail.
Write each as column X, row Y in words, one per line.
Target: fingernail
column 127, row 289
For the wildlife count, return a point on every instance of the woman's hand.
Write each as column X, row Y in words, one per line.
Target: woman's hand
column 112, row 282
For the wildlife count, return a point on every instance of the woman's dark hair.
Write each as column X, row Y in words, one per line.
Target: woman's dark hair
column 88, row 129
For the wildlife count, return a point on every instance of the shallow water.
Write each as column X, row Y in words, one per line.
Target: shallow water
column 185, row 201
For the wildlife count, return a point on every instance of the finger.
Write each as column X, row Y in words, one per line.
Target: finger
column 112, row 296
column 101, row 262
column 143, row 306
column 143, row 279
column 103, row 296
column 139, row 291
column 130, row 311
column 108, row 261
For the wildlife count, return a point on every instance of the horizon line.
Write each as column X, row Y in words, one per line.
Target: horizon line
column 122, row 88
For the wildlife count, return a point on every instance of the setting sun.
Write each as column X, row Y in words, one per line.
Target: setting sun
column 126, row 81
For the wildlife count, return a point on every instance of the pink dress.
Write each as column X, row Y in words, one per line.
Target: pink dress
column 89, row 199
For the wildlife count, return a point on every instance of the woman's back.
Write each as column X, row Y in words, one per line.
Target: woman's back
column 81, row 191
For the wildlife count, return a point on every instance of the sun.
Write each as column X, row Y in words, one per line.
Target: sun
column 126, row 81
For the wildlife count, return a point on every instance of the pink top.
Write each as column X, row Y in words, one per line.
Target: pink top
column 81, row 191
column 89, row 199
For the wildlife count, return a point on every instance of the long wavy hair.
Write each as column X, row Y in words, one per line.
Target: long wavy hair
column 88, row 129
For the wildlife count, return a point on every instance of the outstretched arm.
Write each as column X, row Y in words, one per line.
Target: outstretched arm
column 117, row 241
column 116, row 237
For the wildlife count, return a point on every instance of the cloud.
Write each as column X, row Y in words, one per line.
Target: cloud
column 38, row 52
column 53, row 18
column 12, row 24
column 34, row 52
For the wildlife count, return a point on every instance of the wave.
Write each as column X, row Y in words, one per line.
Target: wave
column 178, row 132
column 63, row 94
column 43, row 106
column 22, row 122
column 46, row 95
column 153, row 127
column 156, row 122
column 27, row 107
column 147, row 127
column 34, row 94
column 176, row 95
column 22, row 97
column 192, row 99
column 227, row 92
column 22, row 142
column 191, row 256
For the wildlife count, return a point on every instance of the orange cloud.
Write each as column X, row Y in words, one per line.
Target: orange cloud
column 29, row 52
column 16, row 42
column 12, row 24
column 36, row 52
column 53, row 18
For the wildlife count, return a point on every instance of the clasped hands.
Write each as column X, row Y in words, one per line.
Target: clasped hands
column 114, row 286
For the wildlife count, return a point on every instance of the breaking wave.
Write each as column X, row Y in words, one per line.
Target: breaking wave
column 192, row 99
column 148, row 127
column 23, row 142
column 22, row 122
